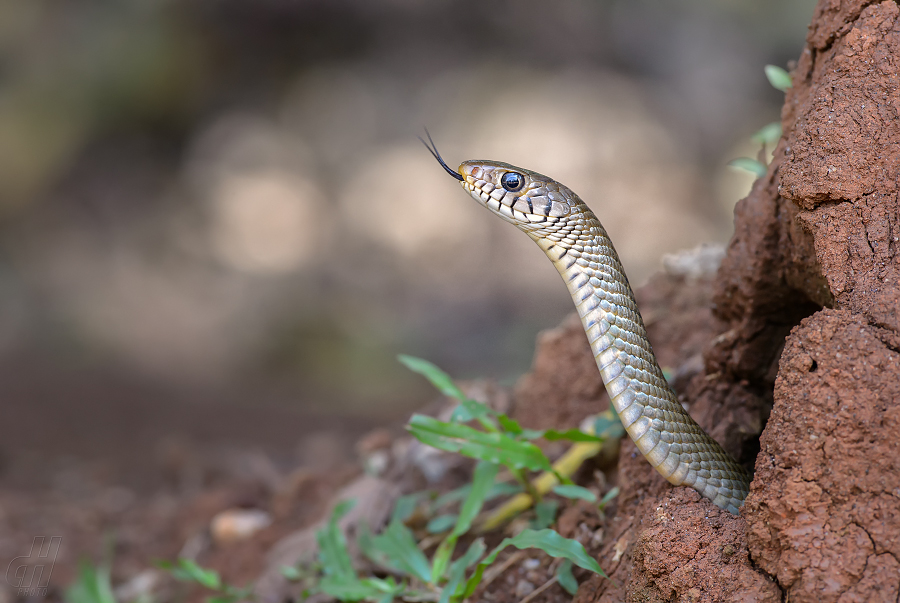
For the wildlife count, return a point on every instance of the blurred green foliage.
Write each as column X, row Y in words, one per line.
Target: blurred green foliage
column 74, row 71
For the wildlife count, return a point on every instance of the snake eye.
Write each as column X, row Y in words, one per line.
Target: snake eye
column 512, row 181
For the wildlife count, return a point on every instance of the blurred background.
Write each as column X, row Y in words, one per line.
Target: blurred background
column 217, row 226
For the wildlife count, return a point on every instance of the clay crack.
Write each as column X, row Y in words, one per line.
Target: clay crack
column 875, row 547
column 773, row 579
column 822, row 200
column 862, row 221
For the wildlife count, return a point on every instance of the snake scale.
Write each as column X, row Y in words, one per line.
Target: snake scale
column 572, row 237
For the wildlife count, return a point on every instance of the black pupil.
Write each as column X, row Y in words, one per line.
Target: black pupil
column 512, row 181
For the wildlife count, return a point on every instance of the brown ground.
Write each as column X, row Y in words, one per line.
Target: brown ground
column 797, row 338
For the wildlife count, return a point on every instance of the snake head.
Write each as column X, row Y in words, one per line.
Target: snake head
column 525, row 198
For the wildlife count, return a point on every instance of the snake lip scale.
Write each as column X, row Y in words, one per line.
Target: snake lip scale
column 572, row 237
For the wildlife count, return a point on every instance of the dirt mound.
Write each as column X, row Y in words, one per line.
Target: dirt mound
column 817, row 239
column 660, row 543
column 824, row 516
column 707, row 561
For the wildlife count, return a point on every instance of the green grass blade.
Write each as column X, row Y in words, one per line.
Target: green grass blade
column 608, row 497
column 367, row 546
column 778, row 77
column 510, row 425
column 491, row 447
column 291, row 573
column 453, row 496
column 475, row 550
column 348, row 588
column 458, row 569
column 398, row 544
column 545, row 514
column 468, row 409
column 384, row 585
column 333, row 554
column 482, row 480
column 93, row 585
column 573, row 491
column 503, row 489
column 438, row 378
column 458, row 494
column 556, row 546
column 441, row 559
column 571, row 435
column 768, row 134
column 565, row 578
column 546, row 540
column 531, row 434
column 405, row 506
column 188, row 570
column 753, row 166
column 441, row 523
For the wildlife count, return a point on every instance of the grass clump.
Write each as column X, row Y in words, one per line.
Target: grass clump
column 499, row 444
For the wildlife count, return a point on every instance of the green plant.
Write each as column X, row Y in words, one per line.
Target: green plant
column 778, row 77
column 436, row 580
column 497, row 442
column 769, row 134
column 187, row 570
column 92, row 585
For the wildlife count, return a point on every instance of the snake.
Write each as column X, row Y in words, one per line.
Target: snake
column 572, row 237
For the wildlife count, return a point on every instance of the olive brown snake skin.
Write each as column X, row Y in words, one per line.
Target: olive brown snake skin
column 572, row 237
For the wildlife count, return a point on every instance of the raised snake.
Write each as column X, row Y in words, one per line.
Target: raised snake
column 572, row 237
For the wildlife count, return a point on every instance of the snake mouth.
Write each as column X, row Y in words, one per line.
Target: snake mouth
column 517, row 209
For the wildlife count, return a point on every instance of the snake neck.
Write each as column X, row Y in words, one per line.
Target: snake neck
column 589, row 265
column 649, row 409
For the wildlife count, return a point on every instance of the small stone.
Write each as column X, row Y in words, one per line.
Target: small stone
column 234, row 525
column 524, row 588
column 531, row 564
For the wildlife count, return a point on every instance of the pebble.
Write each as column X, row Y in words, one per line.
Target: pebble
column 234, row 525
column 524, row 588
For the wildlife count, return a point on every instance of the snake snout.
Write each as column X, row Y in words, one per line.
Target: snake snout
column 482, row 181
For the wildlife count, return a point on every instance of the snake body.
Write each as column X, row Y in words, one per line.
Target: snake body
column 572, row 237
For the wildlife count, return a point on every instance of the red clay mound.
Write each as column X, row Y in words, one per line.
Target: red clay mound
column 824, row 512
column 804, row 324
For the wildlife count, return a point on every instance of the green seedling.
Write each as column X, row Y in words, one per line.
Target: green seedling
column 778, row 77
column 187, row 570
column 757, row 168
column 497, row 442
column 92, row 585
